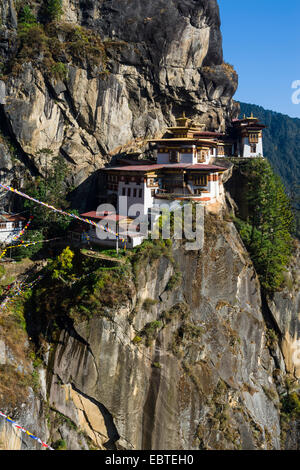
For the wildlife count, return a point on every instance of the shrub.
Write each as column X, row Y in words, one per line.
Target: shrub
column 291, row 405
column 149, row 331
column 60, row 445
column 148, row 303
column 59, row 71
column 157, row 365
column 137, row 339
column 174, row 281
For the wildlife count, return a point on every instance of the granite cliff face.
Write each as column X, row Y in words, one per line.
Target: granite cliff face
column 157, row 59
column 206, row 379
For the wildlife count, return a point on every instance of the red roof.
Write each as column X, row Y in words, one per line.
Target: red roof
column 203, row 166
column 101, row 216
column 186, row 166
column 142, row 168
column 11, row 217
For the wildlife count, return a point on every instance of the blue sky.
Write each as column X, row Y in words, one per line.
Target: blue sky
column 261, row 39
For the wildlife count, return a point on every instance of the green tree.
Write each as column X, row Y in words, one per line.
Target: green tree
column 54, row 9
column 52, row 190
column 63, row 265
column 267, row 232
column 26, row 17
column 28, row 251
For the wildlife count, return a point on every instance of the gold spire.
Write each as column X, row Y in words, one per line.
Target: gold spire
column 183, row 121
column 252, row 117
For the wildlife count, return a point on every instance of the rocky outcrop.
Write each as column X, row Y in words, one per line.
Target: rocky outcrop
column 284, row 307
column 160, row 59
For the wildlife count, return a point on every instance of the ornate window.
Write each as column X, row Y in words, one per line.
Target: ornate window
column 253, row 148
column 200, row 180
column 253, row 138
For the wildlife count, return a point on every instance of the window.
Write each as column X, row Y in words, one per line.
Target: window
column 174, row 156
column 253, row 148
column 140, row 192
column 152, row 192
column 3, row 225
column 201, row 156
column 15, row 224
column 253, row 138
column 124, row 192
column 134, row 192
column 212, row 151
column 200, row 180
column 129, row 192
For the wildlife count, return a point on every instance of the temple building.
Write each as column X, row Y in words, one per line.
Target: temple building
column 185, row 168
column 247, row 137
column 10, row 225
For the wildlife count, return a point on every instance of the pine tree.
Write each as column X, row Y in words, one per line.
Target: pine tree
column 54, row 9
column 267, row 232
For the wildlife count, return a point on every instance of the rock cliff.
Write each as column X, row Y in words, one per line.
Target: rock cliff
column 106, row 77
column 176, row 352
column 203, row 381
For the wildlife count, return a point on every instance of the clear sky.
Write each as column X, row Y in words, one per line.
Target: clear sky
column 261, row 38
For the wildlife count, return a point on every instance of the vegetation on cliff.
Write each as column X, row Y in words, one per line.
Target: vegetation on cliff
column 267, row 230
column 51, row 44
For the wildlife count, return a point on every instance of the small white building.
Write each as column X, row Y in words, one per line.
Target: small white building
column 117, row 224
column 10, row 226
column 248, row 137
